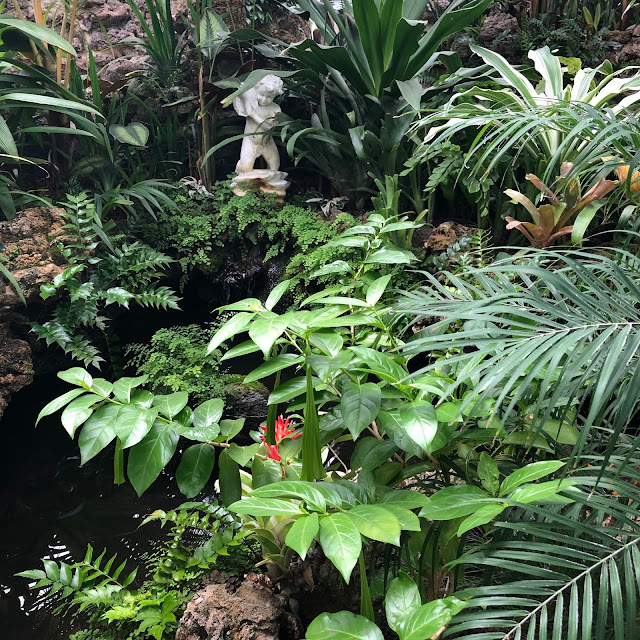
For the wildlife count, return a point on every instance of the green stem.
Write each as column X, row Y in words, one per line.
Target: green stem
column 118, row 463
column 366, row 605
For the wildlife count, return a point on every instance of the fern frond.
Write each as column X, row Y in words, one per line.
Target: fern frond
column 159, row 297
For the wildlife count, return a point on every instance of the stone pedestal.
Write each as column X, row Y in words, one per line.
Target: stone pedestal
column 263, row 180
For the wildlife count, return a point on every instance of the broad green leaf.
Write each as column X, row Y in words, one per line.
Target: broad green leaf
column 231, row 428
column 407, row 519
column 135, row 133
column 201, row 435
column 266, row 329
column 275, row 295
column 428, row 619
column 273, row 365
column 78, row 411
column 390, row 256
column 141, row 397
column 229, row 329
column 265, row 472
column 327, row 367
column 341, row 542
column 529, row 473
column 299, row 490
column 208, row 413
column 98, row 432
column 57, row 403
column 242, row 455
column 123, row 387
column 243, row 349
column 77, row 376
column 488, row 473
column 265, row 507
column 230, row 483
column 376, row 289
column 543, row 492
column 420, row 423
column 302, row 533
column 149, row 457
column 382, row 364
column 327, row 340
column 454, row 502
column 482, row 516
column 289, row 390
column 359, row 406
column 36, row 31
column 102, row 387
column 343, row 625
column 133, row 423
column 376, row 522
column 171, row 405
column 405, row 498
column 401, row 600
column 195, row 469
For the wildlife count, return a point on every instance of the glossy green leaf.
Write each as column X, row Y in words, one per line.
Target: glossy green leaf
column 327, row 340
column 407, row 520
column 231, row 428
column 171, row 405
column 242, row 455
column 265, row 472
column 98, row 432
column 149, row 457
column 359, row 406
column 230, row 483
column 343, row 625
column 278, row 291
column 299, row 490
column 488, row 473
column 301, row 535
column 229, row 329
column 133, row 423
column 266, row 329
column 420, row 423
column 376, row 522
column 341, row 542
column 265, row 507
column 59, row 402
column 273, row 365
column 454, row 502
column 201, row 435
column 482, row 516
column 122, row 389
column 195, row 469
column 208, row 413
column 405, row 498
column 376, row 289
column 77, row 376
column 401, row 600
column 542, row 492
column 531, row 472
column 428, row 619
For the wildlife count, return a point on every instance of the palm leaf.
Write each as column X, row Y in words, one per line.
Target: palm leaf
column 570, row 573
column 567, row 324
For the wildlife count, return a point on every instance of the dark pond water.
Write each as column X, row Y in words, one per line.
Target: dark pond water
column 51, row 507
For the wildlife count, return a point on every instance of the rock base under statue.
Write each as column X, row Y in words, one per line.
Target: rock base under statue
column 264, row 180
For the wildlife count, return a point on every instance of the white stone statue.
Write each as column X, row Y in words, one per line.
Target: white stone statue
column 258, row 107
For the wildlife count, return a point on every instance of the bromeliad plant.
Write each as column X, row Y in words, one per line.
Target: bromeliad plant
column 550, row 221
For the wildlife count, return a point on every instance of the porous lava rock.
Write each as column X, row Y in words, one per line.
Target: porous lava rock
column 29, row 250
column 251, row 612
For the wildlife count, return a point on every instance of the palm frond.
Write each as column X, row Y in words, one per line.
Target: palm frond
column 561, row 329
column 571, row 573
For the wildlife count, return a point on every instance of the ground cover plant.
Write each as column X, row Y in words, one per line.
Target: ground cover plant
column 455, row 434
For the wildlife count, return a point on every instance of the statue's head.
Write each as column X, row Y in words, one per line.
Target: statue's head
column 268, row 88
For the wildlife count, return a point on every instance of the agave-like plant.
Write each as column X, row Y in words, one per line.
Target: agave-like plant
column 519, row 114
column 550, row 221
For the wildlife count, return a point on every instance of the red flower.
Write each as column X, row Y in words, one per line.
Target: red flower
column 284, row 429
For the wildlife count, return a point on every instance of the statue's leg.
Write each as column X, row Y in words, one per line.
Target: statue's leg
column 248, row 155
column 271, row 154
